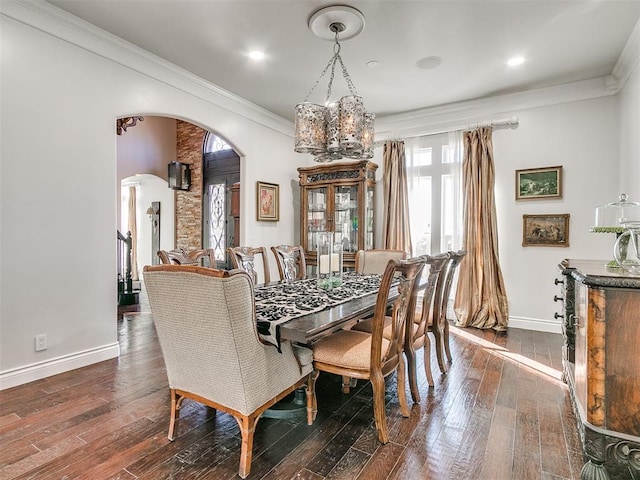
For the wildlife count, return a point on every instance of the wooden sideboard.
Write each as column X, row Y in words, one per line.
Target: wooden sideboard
column 601, row 357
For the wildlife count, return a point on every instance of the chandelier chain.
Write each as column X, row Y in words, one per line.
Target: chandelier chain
column 332, row 63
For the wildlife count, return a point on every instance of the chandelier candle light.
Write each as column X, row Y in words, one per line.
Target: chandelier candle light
column 335, row 130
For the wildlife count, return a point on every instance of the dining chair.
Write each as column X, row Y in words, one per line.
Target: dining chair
column 371, row 356
column 291, row 262
column 454, row 262
column 244, row 258
column 182, row 256
column 375, row 261
column 426, row 319
column 206, row 326
column 425, row 309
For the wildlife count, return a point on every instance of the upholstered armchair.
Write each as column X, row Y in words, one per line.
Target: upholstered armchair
column 205, row 320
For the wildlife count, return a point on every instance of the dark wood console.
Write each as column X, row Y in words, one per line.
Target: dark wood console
column 601, row 357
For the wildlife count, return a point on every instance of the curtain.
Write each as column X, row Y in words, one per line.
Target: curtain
column 395, row 224
column 134, row 233
column 481, row 299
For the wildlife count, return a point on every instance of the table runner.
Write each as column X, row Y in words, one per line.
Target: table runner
column 280, row 302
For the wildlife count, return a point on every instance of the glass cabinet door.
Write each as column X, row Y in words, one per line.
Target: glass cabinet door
column 345, row 222
column 368, row 215
column 316, row 215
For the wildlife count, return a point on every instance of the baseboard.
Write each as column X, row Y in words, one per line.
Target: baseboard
column 54, row 366
column 535, row 324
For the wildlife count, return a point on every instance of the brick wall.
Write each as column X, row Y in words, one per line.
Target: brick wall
column 188, row 206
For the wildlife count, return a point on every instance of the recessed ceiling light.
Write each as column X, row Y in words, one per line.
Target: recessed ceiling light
column 428, row 63
column 256, row 55
column 373, row 63
column 515, row 61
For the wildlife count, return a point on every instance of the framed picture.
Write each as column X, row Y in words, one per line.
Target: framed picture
column 545, row 230
column 268, row 202
column 534, row 183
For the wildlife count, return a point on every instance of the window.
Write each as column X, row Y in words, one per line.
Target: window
column 433, row 172
column 213, row 143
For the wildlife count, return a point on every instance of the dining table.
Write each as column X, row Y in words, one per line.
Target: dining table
column 302, row 312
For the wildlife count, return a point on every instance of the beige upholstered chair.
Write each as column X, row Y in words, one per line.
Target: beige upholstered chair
column 181, row 256
column 371, row 356
column 205, row 320
column 375, row 261
column 291, row 262
column 245, row 259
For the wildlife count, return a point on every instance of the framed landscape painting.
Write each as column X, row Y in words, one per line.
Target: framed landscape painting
column 545, row 230
column 536, row 183
column 268, row 202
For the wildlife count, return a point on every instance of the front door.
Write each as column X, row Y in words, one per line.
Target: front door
column 221, row 170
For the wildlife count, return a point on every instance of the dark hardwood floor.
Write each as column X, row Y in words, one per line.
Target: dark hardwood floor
column 501, row 412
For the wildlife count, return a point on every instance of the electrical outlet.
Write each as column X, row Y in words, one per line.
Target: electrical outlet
column 41, row 342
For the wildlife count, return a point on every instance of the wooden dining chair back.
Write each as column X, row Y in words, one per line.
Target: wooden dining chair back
column 426, row 309
column 454, row 262
column 206, row 326
column 291, row 262
column 375, row 261
column 244, row 258
column 181, row 256
column 371, row 356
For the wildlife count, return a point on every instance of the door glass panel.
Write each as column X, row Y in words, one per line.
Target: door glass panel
column 368, row 213
column 316, row 215
column 346, row 217
column 217, row 223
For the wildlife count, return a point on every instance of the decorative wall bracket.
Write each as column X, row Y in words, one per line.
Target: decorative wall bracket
column 123, row 123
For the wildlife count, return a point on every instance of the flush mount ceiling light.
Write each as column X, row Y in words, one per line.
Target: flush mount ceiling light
column 515, row 61
column 337, row 129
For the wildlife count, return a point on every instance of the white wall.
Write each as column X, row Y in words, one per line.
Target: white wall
column 149, row 188
column 57, row 240
column 146, row 148
column 629, row 100
column 582, row 137
column 555, row 127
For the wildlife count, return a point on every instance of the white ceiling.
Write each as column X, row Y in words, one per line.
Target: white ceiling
column 563, row 41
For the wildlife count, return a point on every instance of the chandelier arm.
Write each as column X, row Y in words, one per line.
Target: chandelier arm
column 331, row 77
column 347, row 78
column 332, row 61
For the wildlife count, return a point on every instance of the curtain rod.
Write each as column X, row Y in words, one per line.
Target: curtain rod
column 504, row 122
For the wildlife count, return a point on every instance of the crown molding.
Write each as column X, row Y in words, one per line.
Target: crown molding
column 628, row 59
column 423, row 121
column 53, row 21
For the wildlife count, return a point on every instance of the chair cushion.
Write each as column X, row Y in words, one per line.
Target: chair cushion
column 346, row 348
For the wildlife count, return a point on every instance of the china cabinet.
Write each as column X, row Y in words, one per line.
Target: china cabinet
column 337, row 198
column 601, row 328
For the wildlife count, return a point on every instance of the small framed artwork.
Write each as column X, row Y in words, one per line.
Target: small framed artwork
column 268, row 195
column 536, row 183
column 545, row 230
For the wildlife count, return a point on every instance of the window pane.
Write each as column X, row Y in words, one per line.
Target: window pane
column 422, row 157
column 420, row 213
column 448, row 213
column 217, row 224
column 214, row 143
column 446, row 154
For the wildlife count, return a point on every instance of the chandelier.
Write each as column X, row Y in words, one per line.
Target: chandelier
column 337, row 129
